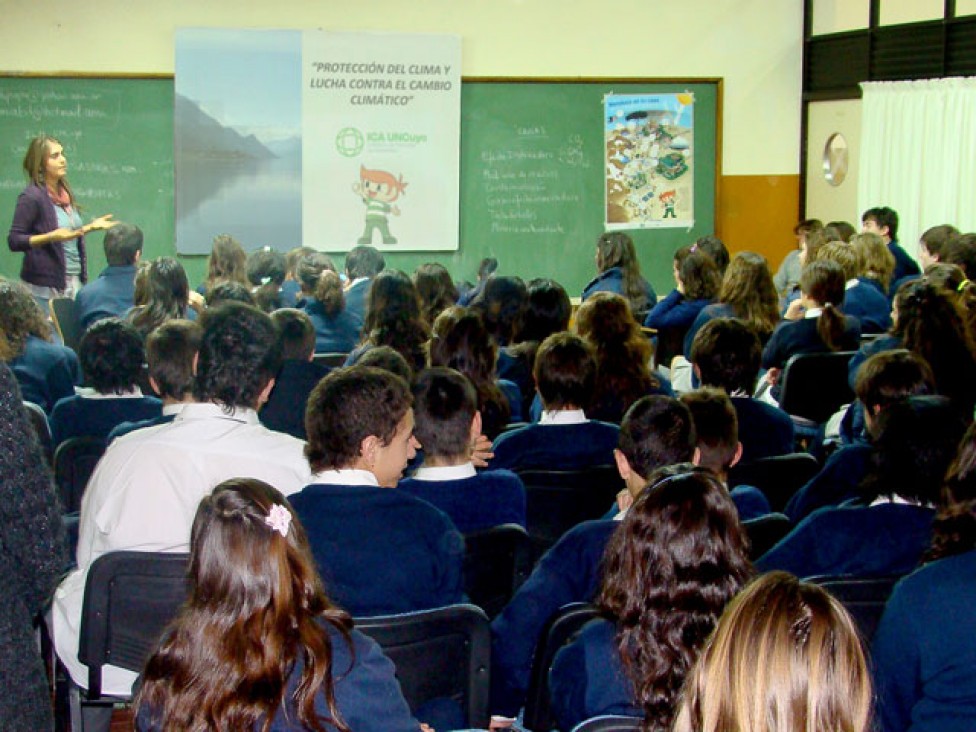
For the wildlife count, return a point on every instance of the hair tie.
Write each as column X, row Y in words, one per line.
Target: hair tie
column 962, row 285
column 279, row 519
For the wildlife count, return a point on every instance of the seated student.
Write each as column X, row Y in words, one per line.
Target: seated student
column 886, row 379
column 726, row 353
column 336, row 329
column 719, row 448
column 285, row 409
column 785, row 657
column 436, row 289
column 460, row 340
column 862, row 301
column 619, row 272
column 111, row 355
column 924, row 650
column 887, row 530
column 623, row 356
column 564, row 439
column 171, row 350
column 697, row 282
column 678, row 557
column 112, row 294
column 961, row 251
column 814, row 323
column 229, row 291
column 787, row 277
column 291, row 288
column 266, row 271
column 46, row 372
column 259, row 644
column 380, row 550
column 447, row 425
column 883, row 221
column 656, row 431
column 363, row 264
column 875, row 263
column 932, row 246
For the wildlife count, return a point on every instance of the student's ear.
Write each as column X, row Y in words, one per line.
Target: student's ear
column 196, row 362
column 475, row 427
column 623, row 465
column 367, row 450
column 737, row 457
column 311, row 356
column 155, row 386
column 694, row 367
column 138, row 256
column 696, row 457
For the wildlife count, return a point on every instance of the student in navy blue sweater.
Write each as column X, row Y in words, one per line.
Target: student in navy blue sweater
column 616, row 259
column 447, row 425
column 862, row 301
column 726, row 354
column 285, row 409
column 883, row 221
column 886, row 379
column 814, row 323
column 924, row 650
column 716, row 428
column 112, row 294
column 380, row 550
column 171, row 350
column 655, row 432
column 336, row 327
column 111, row 355
column 679, row 556
column 889, row 529
column 697, row 282
column 564, row 439
column 45, row 371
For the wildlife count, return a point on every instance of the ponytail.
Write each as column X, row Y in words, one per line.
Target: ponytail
column 830, row 327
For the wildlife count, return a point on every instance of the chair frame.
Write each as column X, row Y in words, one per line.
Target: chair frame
column 818, row 410
column 70, row 497
column 407, row 637
column 501, row 552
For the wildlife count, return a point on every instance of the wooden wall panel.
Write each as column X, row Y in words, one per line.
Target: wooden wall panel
column 757, row 213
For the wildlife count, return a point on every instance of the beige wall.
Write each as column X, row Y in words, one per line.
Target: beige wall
column 824, row 201
column 641, row 38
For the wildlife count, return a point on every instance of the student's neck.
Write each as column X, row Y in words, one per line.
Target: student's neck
column 169, row 401
column 443, row 461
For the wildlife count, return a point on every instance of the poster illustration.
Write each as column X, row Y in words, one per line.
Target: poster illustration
column 649, row 155
column 381, row 117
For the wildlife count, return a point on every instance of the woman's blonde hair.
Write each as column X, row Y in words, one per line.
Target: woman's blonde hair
column 874, row 259
column 785, row 657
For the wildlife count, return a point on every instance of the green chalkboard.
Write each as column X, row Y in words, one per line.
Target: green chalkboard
column 118, row 135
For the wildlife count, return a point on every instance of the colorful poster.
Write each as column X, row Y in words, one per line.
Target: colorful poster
column 285, row 138
column 382, row 123
column 649, row 154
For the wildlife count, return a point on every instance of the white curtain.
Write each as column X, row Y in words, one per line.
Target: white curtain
column 918, row 154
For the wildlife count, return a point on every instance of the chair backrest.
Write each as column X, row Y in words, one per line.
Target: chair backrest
column 560, row 630
column 779, row 477
column 74, row 462
column 609, row 723
column 130, row 598
column 64, row 315
column 864, row 597
column 558, row 500
column 496, row 562
column 438, row 654
column 765, row 531
column 333, row 360
column 814, row 385
column 42, row 428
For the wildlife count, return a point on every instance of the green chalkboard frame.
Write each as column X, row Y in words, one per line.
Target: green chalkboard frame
column 118, row 134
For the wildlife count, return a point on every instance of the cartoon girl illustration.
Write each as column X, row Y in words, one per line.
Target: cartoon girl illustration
column 378, row 189
column 668, row 199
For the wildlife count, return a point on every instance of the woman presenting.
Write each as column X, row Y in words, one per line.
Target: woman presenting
column 47, row 226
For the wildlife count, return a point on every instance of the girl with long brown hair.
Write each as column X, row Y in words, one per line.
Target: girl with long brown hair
column 785, row 657
column 258, row 645
column 619, row 272
column 678, row 557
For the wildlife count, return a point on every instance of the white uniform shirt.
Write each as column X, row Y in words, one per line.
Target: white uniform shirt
column 144, row 494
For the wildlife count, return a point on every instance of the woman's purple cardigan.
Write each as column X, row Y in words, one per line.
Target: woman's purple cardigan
column 44, row 265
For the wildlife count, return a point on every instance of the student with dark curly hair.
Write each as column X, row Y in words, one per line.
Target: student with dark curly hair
column 924, row 650
column 393, row 318
column 786, row 656
column 380, row 550
column 258, row 644
column 679, row 557
column 111, row 355
column 460, row 341
column 623, row 355
column 619, row 272
column 45, row 371
column 145, row 489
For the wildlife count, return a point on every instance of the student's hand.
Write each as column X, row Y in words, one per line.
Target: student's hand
column 772, row 376
column 796, row 310
column 500, row 723
column 426, row 727
column 197, row 301
column 481, row 452
column 624, row 499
